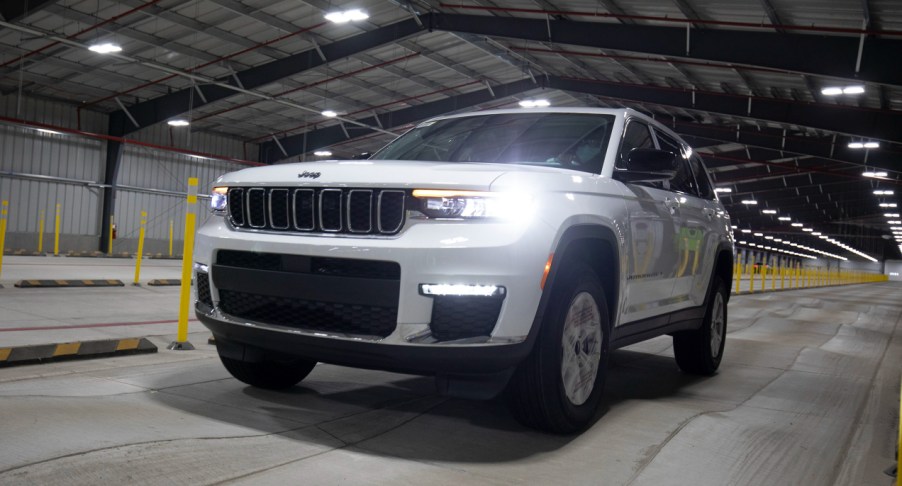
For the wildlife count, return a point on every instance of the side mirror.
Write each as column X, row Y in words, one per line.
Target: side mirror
column 648, row 165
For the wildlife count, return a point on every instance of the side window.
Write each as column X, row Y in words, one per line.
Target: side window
column 705, row 189
column 636, row 135
column 684, row 181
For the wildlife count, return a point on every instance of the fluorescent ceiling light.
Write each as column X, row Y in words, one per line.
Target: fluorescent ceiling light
column 831, row 91
column 872, row 145
column 861, row 145
column 785, row 218
column 722, row 189
column 798, row 225
column 322, row 153
column 809, row 230
column 874, row 174
column 178, row 122
column 48, row 132
column 534, row 103
column 883, row 193
column 768, row 237
column 853, row 90
column 887, row 205
column 769, row 211
column 891, row 215
column 749, row 201
column 746, row 231
column 759, row 234
column 816, row 234
column 894, row 222
column 346, row 16
column 105, row 48
column 330, row 113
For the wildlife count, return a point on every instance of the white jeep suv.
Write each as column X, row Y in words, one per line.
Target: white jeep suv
column 505, row 250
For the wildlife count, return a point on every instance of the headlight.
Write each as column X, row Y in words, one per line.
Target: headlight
column 472, row 204
column 219, row 200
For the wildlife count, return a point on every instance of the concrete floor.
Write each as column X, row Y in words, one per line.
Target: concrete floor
column 807, row 394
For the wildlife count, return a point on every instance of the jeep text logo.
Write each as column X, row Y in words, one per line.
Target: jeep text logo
column 308, row 175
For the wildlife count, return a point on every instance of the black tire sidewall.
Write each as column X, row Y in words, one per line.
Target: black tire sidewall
column 551, row 352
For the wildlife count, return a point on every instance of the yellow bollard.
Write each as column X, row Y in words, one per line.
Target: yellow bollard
column 41, row 231
column 56, row 232
column 109, row 249
column 4, row 214
column 181, row 341
column 170, row 238
column 763, row 272
column 738, row 271
column 773, row 279
column 782, row 278
column 140, row 249
column 751, row 279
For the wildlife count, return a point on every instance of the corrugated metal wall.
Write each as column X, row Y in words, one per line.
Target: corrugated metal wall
column 156, row 170
column 40, row 170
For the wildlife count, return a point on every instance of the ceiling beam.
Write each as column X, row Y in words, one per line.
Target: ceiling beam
column 323, row 137
column 164, row 107
column 15, row 10
column 824, row 55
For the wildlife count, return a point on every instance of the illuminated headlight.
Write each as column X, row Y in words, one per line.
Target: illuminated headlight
column 462, row 290
column 219, row 200
column 451, row 204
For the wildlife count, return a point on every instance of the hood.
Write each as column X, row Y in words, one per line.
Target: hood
column 377, row 173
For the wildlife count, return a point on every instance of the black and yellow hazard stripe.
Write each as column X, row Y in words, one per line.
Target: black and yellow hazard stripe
column 43, row 353
column 69, row 283
column 164, row 281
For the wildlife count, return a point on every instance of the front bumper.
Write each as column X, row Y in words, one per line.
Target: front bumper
column 448, row 359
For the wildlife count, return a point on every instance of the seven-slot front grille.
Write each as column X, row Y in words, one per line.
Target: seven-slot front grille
column 318, row 210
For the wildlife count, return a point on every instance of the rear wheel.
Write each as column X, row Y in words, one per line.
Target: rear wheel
column 699, row 352
column 271, row 374
column 558, row 387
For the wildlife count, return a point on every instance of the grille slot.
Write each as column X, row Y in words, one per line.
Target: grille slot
column 456, row 317
column 318, row 210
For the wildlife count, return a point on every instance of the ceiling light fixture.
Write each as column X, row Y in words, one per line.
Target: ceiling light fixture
column 322, row 153
column 785, row 218
column 769, row 211
column 178, row 122
column 874, row 174
column 838, row 90
column 329, row 113
column 105, row 48
column 534, row 103
column 345, row 16
column 883, row 193
column 723, row 189
column 749, row 201
column 887, row 205
column 798, row 225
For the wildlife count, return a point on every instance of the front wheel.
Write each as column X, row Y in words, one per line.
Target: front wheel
column 558, row 387
column 699, row 352
column 271, row 375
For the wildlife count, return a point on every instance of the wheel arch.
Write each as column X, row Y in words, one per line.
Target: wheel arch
column 723, row 266
column 594, row 244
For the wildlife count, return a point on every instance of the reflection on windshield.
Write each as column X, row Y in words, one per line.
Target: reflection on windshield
column 569, row 140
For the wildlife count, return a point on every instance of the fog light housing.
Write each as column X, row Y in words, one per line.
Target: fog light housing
column 462, row 290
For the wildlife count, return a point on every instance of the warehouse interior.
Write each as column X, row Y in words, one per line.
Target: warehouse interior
column 108, row 108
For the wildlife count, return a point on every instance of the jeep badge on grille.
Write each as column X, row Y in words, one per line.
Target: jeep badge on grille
column 308, row 175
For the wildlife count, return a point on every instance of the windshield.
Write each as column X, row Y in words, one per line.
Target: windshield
column 568, row 140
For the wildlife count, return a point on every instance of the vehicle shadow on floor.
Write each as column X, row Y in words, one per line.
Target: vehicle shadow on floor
column 402, row 416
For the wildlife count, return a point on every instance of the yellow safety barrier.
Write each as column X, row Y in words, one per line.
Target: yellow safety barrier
column 4, row 213
column 56, row 232
column 750, row 271
column 141, row 233
column 187, row 262
column 170, row 237
column 41, row 231
column 773, row 279
column 763, row 272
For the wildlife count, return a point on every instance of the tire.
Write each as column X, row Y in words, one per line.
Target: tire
column 699, row 352
column 271, row 375
column 559, row 386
